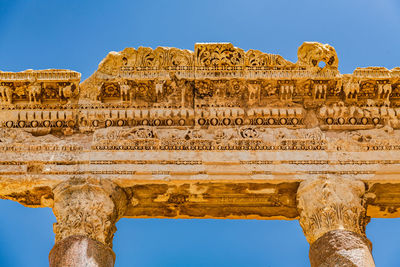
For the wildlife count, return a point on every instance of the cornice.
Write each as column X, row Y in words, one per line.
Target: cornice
column 217, row 85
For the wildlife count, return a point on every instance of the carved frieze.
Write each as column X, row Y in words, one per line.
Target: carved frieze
column 167, row 115
column 217, row 85
column 36, row 88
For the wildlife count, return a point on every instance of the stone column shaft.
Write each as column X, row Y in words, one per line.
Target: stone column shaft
column 86, row 212
column 333, row 218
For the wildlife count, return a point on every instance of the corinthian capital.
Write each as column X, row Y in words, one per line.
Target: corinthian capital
column 88, row 207
column 332, row 203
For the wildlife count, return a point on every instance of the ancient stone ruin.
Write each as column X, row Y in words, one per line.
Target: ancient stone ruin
column 214, row 133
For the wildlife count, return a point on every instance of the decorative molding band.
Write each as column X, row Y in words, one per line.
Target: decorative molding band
column 217, row 85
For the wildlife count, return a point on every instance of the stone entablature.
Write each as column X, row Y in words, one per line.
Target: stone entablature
column 217, row 85
column 214, row 133
column 158, row 117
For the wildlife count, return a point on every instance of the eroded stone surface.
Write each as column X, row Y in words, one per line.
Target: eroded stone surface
column 217, row 132
column 89, row 207
column 341, row 248
column 331, row 203
column 81, row 251
column 34, row 165
column 217, row 117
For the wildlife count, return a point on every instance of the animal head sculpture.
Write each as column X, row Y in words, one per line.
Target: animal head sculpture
column 310, row 54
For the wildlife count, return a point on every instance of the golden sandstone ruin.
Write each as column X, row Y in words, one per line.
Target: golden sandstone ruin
column 214, row 133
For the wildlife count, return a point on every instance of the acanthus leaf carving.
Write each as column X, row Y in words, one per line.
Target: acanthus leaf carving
column 331, row 203
column 88, row 207
column 218, row 55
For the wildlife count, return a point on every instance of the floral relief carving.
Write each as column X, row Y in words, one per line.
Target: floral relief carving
column 218, row 55
column 88, row 207
column 331, row 203
column 267, row 117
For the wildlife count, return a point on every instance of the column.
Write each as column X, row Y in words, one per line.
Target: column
column 333, row 217
column 86, row 212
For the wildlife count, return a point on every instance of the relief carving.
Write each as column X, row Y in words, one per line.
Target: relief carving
column 331, row 203
column 310, row 54
column 6, row 94
column 217, row 85
column 88, row 207
column 215, row 99
column 255, row 58
column 218, row 55
column 68, row 90
column 39, row 88
column 34, row 92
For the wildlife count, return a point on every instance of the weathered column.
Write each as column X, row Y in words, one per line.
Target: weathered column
column 333, row 218
column 86, row 212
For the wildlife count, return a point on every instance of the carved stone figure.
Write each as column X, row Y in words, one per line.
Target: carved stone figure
column 159, row 87
column 320, row 91
column 254, row 91
column 384, row 90
column 34, row 92
column 351, row 88
column 286, row 91
column 125, row 91
column 338, row 87
column 68, row 91
column 6, row 94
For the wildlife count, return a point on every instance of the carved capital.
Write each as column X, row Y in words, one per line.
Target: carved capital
column 333, row 203
column 88, row 207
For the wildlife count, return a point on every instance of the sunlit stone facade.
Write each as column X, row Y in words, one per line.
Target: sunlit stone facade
column 214, row 133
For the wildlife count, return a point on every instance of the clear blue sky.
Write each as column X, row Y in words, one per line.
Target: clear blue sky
column 77, row 34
